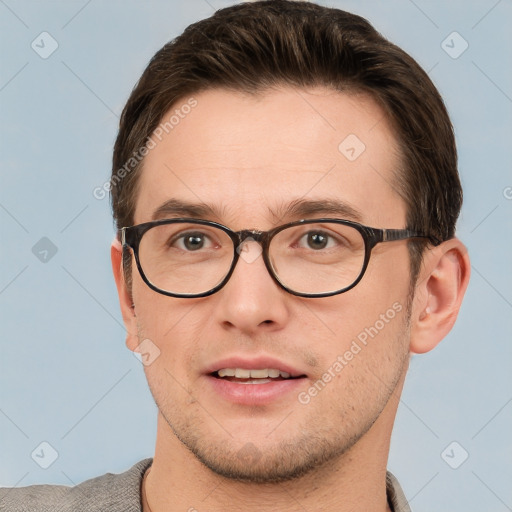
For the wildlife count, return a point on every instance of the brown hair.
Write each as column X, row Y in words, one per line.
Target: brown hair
column 251, row 47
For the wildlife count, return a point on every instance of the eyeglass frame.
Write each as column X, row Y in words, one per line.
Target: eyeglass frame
column 132, row 235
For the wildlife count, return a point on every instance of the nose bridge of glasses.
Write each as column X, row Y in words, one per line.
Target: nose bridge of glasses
column 251, row 235
column 250, row 252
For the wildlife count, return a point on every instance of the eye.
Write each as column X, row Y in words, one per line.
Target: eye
column 192, row 241
column 317, row 240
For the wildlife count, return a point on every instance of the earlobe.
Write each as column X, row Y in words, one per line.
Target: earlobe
column 125, row 298
column 438, row 294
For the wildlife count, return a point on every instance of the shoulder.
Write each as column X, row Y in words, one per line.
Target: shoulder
column 396, row 497
column 113, row 492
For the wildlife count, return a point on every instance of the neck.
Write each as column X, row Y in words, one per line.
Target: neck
column 354, row 481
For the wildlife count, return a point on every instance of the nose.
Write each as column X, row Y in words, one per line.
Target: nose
column 251, row 301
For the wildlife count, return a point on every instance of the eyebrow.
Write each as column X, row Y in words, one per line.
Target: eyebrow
column 298, row 208
column 177, row 208
column 308, row 207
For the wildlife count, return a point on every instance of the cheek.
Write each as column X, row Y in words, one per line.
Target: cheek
column 362, row 364
column 357, row 333
column 157, row 314
column 170, row 324
column 387, row 278
column 366, row 322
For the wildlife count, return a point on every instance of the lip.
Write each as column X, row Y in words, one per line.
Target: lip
column 254, row 394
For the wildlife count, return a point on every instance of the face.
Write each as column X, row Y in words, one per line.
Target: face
column 248, row 158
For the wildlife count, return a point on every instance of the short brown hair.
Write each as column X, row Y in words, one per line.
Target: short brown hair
column 252, row 47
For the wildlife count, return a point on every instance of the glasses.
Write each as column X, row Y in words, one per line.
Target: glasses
column 191, row 258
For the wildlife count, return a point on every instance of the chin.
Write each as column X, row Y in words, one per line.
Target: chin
column 270, row 464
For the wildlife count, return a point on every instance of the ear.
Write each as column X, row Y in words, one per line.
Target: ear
column 125, row 298
column 439, row 291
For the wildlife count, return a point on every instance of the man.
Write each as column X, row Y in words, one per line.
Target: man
column 285, row 189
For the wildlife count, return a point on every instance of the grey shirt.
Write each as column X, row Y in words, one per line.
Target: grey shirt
column 116, row 493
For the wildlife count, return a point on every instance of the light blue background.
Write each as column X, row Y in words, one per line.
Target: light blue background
column 66, row 376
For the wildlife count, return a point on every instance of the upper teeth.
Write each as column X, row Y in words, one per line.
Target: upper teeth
column 242, row 373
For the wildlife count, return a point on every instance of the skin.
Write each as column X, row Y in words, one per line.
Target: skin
column 248, row 157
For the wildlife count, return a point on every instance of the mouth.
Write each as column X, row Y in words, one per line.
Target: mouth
column 254, row 381
column 254, row 375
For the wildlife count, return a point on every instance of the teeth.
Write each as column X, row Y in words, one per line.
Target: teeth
column 226, row 372
column 242, row 373
column 259, row 374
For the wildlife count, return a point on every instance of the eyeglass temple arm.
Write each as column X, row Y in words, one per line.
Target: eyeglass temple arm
column 389, row 235
column 122, row 233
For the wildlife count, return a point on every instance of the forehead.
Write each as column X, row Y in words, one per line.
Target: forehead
column 248, row 156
